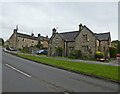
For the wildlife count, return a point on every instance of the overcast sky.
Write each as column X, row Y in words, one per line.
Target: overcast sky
column 41, row 17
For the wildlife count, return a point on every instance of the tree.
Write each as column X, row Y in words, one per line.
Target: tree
column 113, row 51
column 118, row 47
column 1, row 41
column 116, row 44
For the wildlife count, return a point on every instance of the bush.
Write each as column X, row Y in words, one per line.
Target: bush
column 99, row 54
column 76, row 54
column 113, row 52
column 25, row 50
column 59, row 51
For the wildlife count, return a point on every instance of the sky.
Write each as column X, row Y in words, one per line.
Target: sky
column 42, row 17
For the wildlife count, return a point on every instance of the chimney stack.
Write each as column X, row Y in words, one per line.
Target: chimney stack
column 39, row 35
column 46, row 36
column 32, row 34
column 16, row 29
column 54, row 30
column 80, row 27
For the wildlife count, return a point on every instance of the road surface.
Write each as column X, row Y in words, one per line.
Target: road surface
column 20, row 75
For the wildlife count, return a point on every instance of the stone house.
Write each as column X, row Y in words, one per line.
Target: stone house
column 19, row 40
column 83, row 39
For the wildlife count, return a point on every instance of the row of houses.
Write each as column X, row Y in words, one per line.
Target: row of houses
column 83, row 39
column 19, row 41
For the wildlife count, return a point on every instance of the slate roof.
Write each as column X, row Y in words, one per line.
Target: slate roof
column 102, row 36
column 32, row 37
column 69, row 36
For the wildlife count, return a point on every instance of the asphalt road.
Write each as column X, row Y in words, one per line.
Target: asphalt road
column 20, row 75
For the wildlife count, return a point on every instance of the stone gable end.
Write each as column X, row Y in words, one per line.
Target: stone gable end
column 56, row 41
column 85, row 39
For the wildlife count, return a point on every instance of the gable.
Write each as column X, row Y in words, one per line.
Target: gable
column 84, row 31
column 55, row 37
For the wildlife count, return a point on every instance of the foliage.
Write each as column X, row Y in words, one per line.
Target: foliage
column 76, row 54
column 59, row 51
column 99, row 54
column 39, row 45
column 113, row 51
column 1, row 41
column 25, row 50
column 116, row 44
column 118, row 47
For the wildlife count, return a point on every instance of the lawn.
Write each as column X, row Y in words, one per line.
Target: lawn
column 98, row 70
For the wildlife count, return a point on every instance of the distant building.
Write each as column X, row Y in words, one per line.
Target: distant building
column 19, row 40
column 83, row 39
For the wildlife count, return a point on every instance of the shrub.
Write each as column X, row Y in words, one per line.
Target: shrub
column 26, row 50
column 76, row 54
column 99, row 54
column 113, row 51
column 59, row 51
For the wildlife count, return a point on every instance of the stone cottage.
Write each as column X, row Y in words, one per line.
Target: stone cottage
column 83, row 39
column 19, row 40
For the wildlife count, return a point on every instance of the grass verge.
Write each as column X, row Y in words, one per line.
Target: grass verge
column 96, row 70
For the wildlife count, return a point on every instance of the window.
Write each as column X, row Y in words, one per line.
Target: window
column 85, row 48
column 85, row 38
column 23, row 39
column 56, row 38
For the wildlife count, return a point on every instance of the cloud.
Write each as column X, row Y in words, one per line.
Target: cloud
column 41, row 17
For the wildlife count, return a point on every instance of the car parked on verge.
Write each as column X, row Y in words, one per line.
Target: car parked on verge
column 41, row 52
column 10, row 49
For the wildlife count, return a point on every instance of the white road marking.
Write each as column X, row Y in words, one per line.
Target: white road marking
column 18, row 70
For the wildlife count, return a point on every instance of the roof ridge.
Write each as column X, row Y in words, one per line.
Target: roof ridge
column 30, row 35
column 68, row 32
column 102, row 33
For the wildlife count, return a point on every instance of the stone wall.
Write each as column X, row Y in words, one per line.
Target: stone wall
column 23, row 42
column 54, row 43
column 87, row 46
column 12, row 41
column 70, row 47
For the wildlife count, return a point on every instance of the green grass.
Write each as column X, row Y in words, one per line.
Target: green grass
column 98, row 70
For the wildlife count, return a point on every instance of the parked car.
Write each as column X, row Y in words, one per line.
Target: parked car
column 41, row 52
column 118, row 56
column 10, row 49
column 101, row 59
